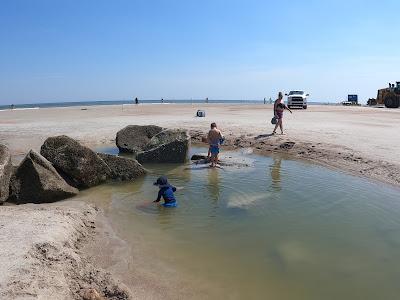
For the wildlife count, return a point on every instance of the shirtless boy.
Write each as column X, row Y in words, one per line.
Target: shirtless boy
column 214, row 138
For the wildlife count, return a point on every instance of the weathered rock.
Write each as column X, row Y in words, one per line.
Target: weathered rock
column 79, row 165
column 5, row 172
column 170, row 145
column 198, row 156
column 123, row 168
column 37, row 181
column 134, row 138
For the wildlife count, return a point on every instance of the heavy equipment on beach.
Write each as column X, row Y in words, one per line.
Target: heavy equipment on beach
column 389, row 96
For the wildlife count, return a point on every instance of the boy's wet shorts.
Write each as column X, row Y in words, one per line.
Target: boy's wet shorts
column 170, row 204
column 214, row 150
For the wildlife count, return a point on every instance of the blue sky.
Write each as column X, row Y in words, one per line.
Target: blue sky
column 58, row 50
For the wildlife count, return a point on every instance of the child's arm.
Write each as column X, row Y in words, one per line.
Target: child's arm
column 158, row 197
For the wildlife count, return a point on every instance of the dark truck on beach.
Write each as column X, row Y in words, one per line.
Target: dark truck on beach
column 390, row 96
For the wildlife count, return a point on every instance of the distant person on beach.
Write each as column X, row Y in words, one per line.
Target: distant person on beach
column 166, row 191
column 279, row 107
column 162, row 100
column 136, row 100
column 12, row 106
column 214, row 139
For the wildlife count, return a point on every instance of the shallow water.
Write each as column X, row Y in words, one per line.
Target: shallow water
column 281, row 229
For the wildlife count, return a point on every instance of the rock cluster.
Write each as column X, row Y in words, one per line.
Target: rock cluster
column 154, row 144
column 63, row 166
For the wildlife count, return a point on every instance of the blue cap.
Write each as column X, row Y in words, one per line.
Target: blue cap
column 162, row 180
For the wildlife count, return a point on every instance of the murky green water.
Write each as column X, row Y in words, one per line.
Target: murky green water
column 281, row 229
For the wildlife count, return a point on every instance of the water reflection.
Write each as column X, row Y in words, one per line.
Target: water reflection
column 165, row 216
column 179, row 175
column 276, row 173
column 213, row 185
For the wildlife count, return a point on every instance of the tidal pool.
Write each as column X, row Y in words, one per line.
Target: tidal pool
column 280, row 229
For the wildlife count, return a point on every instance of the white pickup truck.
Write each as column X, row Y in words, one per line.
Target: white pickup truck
column 297, row 99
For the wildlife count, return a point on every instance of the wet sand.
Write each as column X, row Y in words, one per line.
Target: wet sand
column 360, row 140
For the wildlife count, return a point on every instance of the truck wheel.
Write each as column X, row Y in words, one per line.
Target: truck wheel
column 392, row 101
column 397, row 102
column 305, row 106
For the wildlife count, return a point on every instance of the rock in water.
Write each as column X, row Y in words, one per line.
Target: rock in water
column 37, row 181
column 170, row 145
column 81, row 166
column 134, row 138
column 5, row 172
column 122, row 168
column 198, row 157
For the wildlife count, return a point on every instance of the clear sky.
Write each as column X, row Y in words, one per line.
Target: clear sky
column 69, row 50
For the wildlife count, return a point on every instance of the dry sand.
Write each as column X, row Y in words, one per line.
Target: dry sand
column 41, row 254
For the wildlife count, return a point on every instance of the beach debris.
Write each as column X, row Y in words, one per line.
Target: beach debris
column 133, row 138
column 201, row 113
column 287, row 145
column 5, row 172
column 79, row 165
column 37, row 181
column 168, row 146
column 122, row 168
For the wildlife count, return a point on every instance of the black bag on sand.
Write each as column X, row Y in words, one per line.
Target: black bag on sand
column 200, row 113
column 274, row 120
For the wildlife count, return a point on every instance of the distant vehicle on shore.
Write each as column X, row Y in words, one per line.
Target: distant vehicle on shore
column 351, row 100
column 389, row 96
column 297, row 99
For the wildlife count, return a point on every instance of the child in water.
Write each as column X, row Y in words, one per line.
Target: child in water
column 214, row 138
column 166, row 191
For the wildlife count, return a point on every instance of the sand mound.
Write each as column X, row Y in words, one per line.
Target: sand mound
column 40, row 254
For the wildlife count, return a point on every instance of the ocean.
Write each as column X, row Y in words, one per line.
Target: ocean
column 120, row 102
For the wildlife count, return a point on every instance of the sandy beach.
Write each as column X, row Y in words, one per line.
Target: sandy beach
column 361, row 140
column 49, row 238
